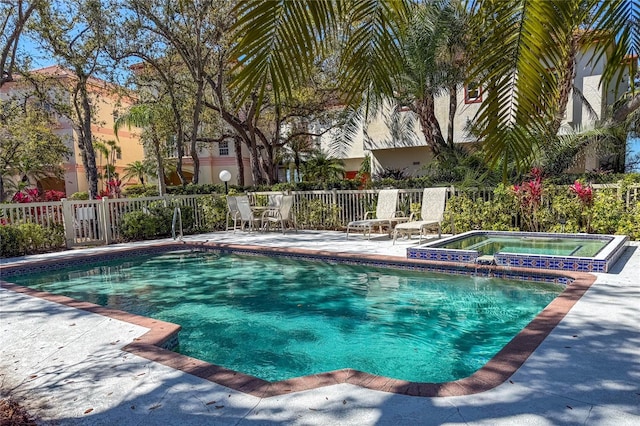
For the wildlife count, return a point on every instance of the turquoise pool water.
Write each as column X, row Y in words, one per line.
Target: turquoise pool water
column 275, row 318
column 488, row 244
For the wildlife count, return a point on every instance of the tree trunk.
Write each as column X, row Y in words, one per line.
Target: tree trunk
column 254, row 158
column 197, row 109
column 160, row 167
column 89, row 155
column 237, row 147
column 270, row 171
column 179, row 139
column 453, row 107
column 566, row 78
column 429, row 123
column 2, row 194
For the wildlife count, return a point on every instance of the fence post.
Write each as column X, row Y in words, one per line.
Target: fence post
column 452, row 191
column 105, row 220
column 67, row 220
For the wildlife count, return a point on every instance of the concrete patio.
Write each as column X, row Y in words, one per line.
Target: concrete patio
column 68, row 366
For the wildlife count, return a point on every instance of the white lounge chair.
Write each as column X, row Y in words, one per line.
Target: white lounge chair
column 386, row 214
column 431, row 213
column 245, row 214
column 281, row 213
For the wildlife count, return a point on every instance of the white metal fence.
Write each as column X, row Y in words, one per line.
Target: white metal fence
column 93, row 222
column 97, row 222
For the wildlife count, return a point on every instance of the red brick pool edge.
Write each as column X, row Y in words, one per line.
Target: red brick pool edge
column 495, row 372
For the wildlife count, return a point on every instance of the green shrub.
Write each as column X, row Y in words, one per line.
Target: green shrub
column 315, row 214
column 466, row 214
column 79, row 196
column 140, row 225
column 629, row 224
column 33, row 236
column 55, row 236
column 607, row 211
column 193, row 188
column 29, row 238
column 139, row 190
column 10, row 241
column 214, row 209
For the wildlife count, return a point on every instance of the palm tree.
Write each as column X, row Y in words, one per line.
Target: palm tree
column 435, row 56
column 519, row 44
column 320, row 168
column 279, row 42
column 137, row 169
column 523, row 44
column 145, row 116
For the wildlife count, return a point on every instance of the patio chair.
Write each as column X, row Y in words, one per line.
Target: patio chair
column 386, row 214
column 431, row 213
column 282, row 214
column 274, row 200
column 245, row 213
column 232, row 211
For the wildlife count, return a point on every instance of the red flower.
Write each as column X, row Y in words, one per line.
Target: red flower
column 33, row 193
column 20, row 197
column 536, row 173
column 51, row 195
column 583, row 192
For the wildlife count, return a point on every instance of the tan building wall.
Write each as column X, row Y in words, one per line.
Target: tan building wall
column 411, row 154
column 107, row 103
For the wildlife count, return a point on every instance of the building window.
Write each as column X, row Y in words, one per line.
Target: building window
column 472, row 93
column 223, row 148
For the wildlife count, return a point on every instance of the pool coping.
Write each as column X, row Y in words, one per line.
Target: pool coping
column 153, row 344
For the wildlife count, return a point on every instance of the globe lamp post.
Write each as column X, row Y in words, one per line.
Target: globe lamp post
column 225, row 176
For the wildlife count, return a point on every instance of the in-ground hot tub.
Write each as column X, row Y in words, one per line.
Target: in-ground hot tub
column 563, row 252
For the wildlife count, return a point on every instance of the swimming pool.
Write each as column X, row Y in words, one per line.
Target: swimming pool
column 266, row 317
column 578, row 252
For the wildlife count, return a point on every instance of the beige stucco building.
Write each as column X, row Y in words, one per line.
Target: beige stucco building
column 412, row 153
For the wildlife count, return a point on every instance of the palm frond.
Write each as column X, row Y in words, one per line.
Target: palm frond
column 518, row 51
column 592, row 113
column 618, row 23
column 139, row 115
column 344, row 137
column 372, row 54
column 277, row 43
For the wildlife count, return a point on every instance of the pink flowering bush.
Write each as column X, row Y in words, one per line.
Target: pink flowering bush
column 584, row 194
column 113, row 190
column 529, row 199
column 33, row 195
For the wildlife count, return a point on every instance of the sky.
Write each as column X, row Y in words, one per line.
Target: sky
column 634, row 149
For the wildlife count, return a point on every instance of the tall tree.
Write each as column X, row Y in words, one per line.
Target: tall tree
column 152, row 119
column 74, row 33
column 193, row 29
column 14, row 16
column 435, row 55
column 29, row 148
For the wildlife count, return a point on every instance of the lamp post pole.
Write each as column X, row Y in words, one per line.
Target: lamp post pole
column 225, row 176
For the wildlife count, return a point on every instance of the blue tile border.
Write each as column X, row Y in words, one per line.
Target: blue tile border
column 600, row 263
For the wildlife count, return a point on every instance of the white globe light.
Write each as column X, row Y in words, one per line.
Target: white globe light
column 225, row 176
